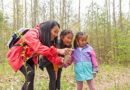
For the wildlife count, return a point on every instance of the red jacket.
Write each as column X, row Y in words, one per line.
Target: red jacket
column 33, row 45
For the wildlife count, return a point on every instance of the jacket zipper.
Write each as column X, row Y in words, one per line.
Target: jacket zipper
column 81, row 59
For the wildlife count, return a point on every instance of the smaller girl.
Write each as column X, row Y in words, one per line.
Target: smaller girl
column 85, row 62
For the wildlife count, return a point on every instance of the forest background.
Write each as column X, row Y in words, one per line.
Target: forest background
column 107, row 23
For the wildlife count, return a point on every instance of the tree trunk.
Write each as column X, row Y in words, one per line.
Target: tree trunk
column 114, row 18
column 2, row 5
column 120, row 12
column 35, row 13
column 53, row 17
column 68, row 13
column 14, row 15
column 62, row 15
column 91, row 30
column 31, row 13
column 50, row 9
column 79, row 17
column 65, row 17
column 68, row 17
column 114, row 22
column 22, row 19
column 106, row 5
column 17, row 8
column 104, row 44
column 108, row 21
column 25, row 14
column 97, row 39
column 109, row 29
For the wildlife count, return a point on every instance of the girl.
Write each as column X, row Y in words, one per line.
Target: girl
column 54, row 72
column 49, row 31
column 85, row 62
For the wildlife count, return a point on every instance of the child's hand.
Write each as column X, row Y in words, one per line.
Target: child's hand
column 66, row 59
column 94, row 74
column 70, row 50
column 69, row 59
column 60, row 66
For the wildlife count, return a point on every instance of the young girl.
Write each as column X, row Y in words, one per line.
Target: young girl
column 53, row 70
column 85, row 62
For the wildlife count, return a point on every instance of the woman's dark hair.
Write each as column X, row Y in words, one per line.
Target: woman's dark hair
column 46, row 32
column 63, row 33
column 77, row 37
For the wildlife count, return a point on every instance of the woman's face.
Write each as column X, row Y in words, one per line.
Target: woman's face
column 67, row 39
column 54, row 32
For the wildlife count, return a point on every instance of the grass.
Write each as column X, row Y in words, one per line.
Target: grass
column 110, row 77
column 125, row 86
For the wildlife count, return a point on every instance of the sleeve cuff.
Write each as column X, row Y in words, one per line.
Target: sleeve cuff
column 95, row 70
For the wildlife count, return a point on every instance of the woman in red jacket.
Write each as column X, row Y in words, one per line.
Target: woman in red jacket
column 19, row 56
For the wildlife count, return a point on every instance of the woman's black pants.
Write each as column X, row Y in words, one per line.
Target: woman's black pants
column 28, row 71
column 54, row 84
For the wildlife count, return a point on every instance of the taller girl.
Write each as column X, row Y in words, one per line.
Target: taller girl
column 85, row 62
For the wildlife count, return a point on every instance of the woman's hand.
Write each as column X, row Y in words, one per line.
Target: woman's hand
column 65, row 51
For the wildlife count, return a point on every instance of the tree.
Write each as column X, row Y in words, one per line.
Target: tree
column 114, row 22
column 62, row 14
column 14, row 16
column 51, row 9
column 114, row 18
column 120, row 17
column 35, row 13
column 25, row 14
column 79, row 17
column 17, row 8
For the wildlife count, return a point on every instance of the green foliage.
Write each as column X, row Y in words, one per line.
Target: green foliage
column 112, row 45
column 4, row 28
column 1, row 16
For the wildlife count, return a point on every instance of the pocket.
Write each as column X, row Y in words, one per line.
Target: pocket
column 78, row 68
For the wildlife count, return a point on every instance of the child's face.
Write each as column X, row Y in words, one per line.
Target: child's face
column 67, row 39
column 82, row 41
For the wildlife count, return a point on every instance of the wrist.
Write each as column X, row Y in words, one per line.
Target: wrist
column 62, row 60
column 57, row 51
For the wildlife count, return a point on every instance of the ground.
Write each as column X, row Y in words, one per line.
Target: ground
column 110, row 77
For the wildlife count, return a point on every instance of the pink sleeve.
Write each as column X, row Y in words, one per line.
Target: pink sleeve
column 94, row 59
column 71, row 61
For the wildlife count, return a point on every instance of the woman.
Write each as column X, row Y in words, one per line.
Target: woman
column 19, row 56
